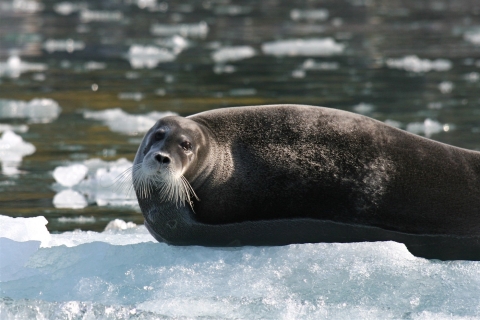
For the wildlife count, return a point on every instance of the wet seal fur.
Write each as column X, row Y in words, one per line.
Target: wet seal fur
column 282, row 174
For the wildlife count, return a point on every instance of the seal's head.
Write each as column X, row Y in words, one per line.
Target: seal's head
column 168, row 152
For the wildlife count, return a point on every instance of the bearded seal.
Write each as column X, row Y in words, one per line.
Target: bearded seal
column 283, row 174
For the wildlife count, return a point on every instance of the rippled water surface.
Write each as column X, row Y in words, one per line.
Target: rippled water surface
column 414, row 64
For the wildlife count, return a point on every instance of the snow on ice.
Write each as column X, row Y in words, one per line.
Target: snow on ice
column 122, row 273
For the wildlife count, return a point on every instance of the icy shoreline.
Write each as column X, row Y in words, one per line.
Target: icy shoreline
column 124, row 273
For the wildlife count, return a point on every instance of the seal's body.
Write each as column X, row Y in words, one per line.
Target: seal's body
column 274, row 175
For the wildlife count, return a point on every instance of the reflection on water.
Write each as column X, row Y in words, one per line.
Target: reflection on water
column 415, row 65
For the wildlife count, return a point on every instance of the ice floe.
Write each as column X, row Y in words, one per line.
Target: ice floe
column 70, row 199
column 303, row 47
column 363, row 108
column 313, row 14
column 176, row 43
column 415, row 64
column 9, row 127
column 124, row 274
column 120, row 121
column 473, row 36
column 148, row 56
column 311, row 64
column 233, row 54
column 192, row 30
column 12, row 151
column 427, row 127
column 93, row 65
column 136, row 96
column 66, row 8
column 102, row 16
column 36, row 110
column 94, row 181
column 68, row 45
column 445, row 87
column 22, row 6
column 14, row 67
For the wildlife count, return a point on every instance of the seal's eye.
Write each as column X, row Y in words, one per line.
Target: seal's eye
column 187, row 146
column 159, row 135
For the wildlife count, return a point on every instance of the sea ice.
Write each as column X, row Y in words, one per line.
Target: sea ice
column 69, row 45
column 315, row 14
column 233, row 54
column 66, row 8
column 363, row 108
column 9, row 127
column 24, row 6
column 69, row 176
column 148, row 56
column 14, row 67
column 24, row 229
column 473, row 36
column 94, row 181
column 427, row 127
column 311, row 64
column 303, row 47
column 193, row 30
column 415, row 64
column 103, row 16
column 36, row 110
column 12, row 151
column 120, row 121
column 124, row 274
column 69, row 199
column 176, row 43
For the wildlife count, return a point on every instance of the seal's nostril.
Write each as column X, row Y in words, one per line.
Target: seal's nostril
column 162, row 159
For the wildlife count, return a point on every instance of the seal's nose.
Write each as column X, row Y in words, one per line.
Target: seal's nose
column 162, row 158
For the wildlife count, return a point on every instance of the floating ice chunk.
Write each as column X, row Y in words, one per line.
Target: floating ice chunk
column 14, row 67
column 12, row 150
column 233, row 54
column 36, row 110
column 70, row 175
column 18, row 128
column 299, row 73
column 303, row 47
column 393, row 123
column 69, row 45
column 105, row 184
column 231, row 10
column 427, row 127
column 445, row 87
column 176, row 43
column 118, row 224
column 473, row 36
column 23, row 6
column 472, row 77
column 120, row 121
column 415, row 64
column 243, row 92
column 24, row 229
column 93, row 65
column 137, row 96
column 100, row 16
column 311, row 64
column 224, row 68
column 69, row 199
column 194, row 30
column 316, row 14
column 363, row 108
column 66, row 8
column 148, row 56
column 78, row 220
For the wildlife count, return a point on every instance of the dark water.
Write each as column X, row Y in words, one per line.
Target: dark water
column 369, row 32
